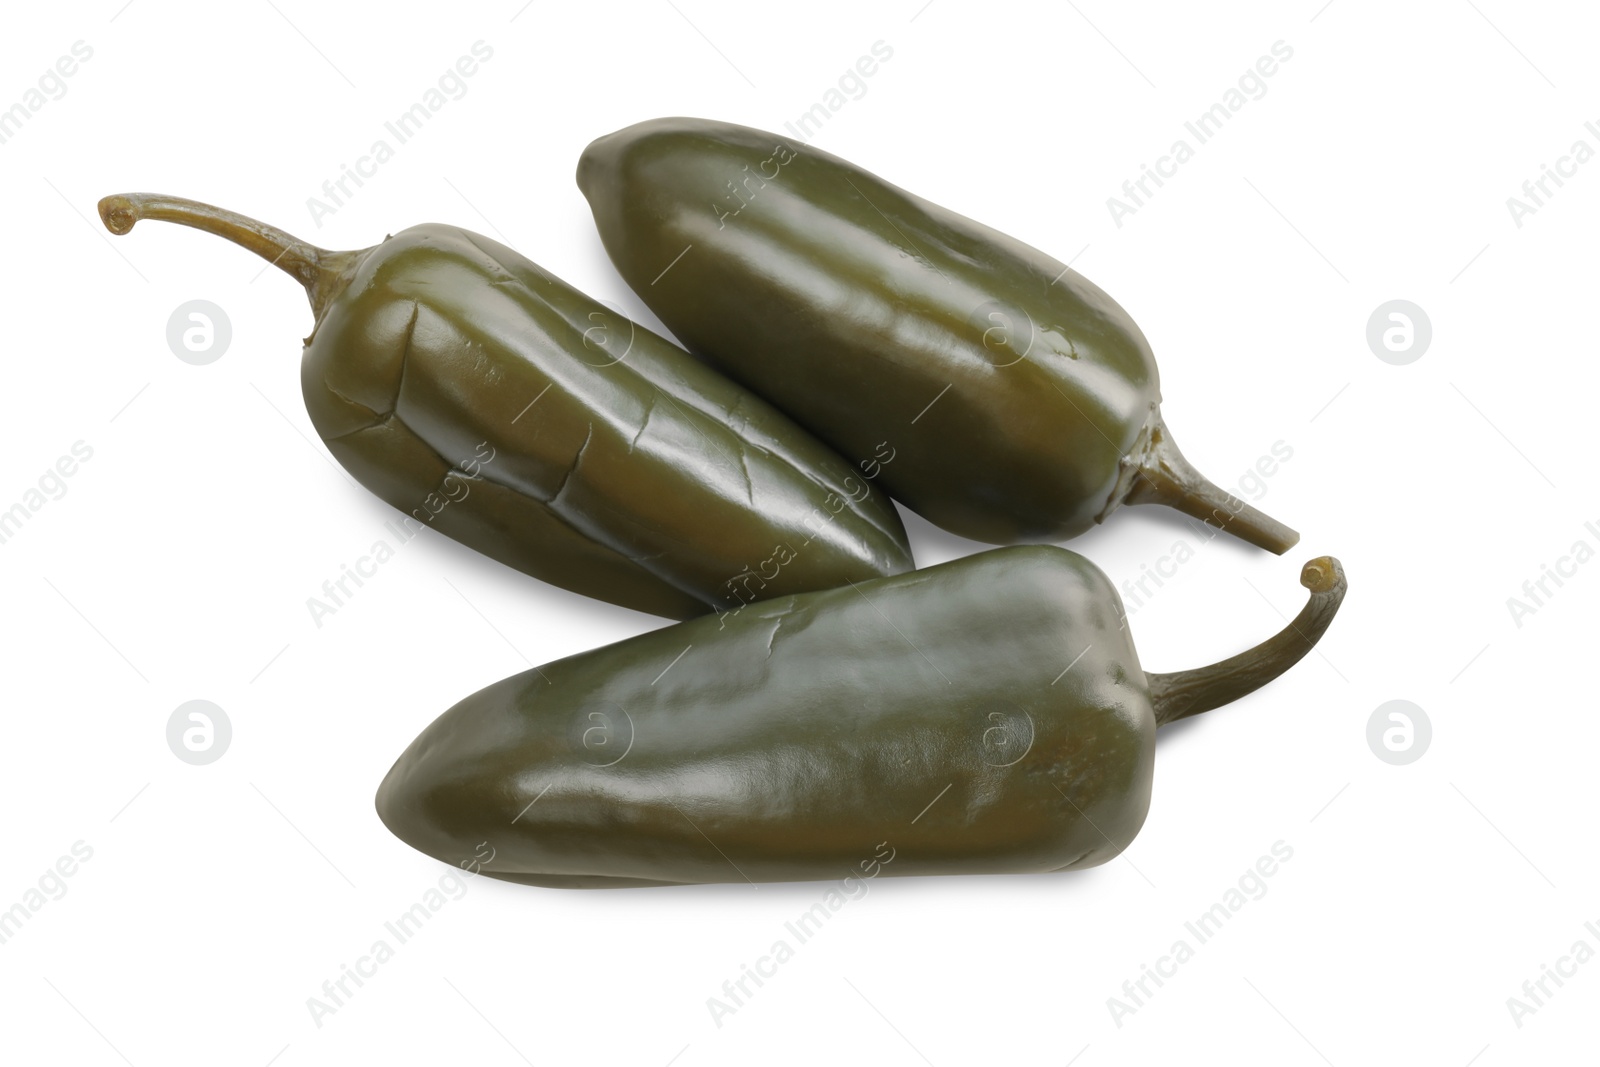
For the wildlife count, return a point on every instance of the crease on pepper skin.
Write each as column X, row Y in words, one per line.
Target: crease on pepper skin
column 644, row 424
column 744, row 468
column 572, row 468
column 436, row 336
column 392, row 412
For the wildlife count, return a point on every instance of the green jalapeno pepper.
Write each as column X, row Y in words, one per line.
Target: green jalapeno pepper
column 1022, row 401
column 484, row 398
column 987, row 715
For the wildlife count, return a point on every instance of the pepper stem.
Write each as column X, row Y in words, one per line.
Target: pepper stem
column 1177, row 696
column 1165, row 477
column 320, row 271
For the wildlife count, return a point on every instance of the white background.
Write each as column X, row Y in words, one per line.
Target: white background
column 177, row 565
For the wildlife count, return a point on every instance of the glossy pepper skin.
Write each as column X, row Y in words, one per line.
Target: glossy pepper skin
column 485, row 398
column 987, row 715
column 1023, row 402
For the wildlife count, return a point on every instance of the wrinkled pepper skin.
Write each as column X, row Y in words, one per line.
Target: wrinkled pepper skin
column 1022, row 400
column 987, row 715
column 487, row 399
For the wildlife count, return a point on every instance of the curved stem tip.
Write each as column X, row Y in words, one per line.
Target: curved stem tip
column 320, row 271
column 1184, row 693
column 1166, row 477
